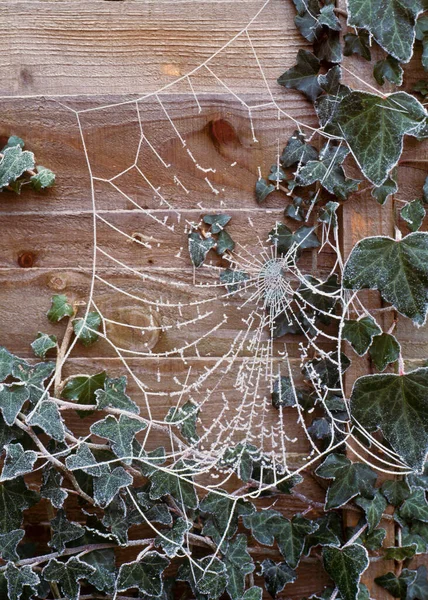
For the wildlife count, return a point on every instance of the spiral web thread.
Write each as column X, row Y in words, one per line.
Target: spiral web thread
column 253, row 361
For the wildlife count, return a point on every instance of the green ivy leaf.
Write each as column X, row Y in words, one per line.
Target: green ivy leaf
column 44, row 178
column 6, row 363
column 398, row 406
column 303, row 76
column 104, row 576
column 238, row 565
column 395, row 491
column 8, row 543
column 199, row 247
column 113, row 394
column 357, row 43
column 232, row 279
column 398, row 269
column 329, row 172
column 350, row 479
column 263, row 189
column 224, row 242
column 297, row 151
column 384, row 191
column 83, row 388
column 368, row 122
column 284, row 239
column 12, row 399
column 14, row 498
column 373, row 509
column 68, row 575
column 48, row 418
column 163, row 483
column 329, row 532
column 145, row 574
column 345, row 566
column 276, row 576
column 283, row 392
column 108, row 484
column 390, row 69
column 17, row 462
column 34, row 376
column 328, row 214
column 418, row 589
column 120, row 433
column 400, row 553
column 64, row 531
column 392, row 25
column 186, row 416
column 397, row 586
column 217, row 222
column 43, row 343
column 86, row 328
column 360, row 333
column 19, row 578
column 306, row 19
column 384, row 350
column 172, row 540
column 263, row 525
column 291, row 536
column 413, row 213
column 60, row 308
column 14, row 163
column 415, row 507
column 51, row 487
column 84, row 460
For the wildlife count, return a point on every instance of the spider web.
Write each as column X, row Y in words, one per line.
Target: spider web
column 180, row 316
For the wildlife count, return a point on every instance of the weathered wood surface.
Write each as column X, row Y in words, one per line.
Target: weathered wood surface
column 113, row 51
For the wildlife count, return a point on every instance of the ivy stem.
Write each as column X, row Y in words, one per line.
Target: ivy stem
column 62, row 351
column 355, row 536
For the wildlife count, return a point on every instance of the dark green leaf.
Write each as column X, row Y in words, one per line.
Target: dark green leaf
column 384, row 191
column 68, row 575
column 399, row 553
column 329, row 532
column 104, row 576
column 199, row 247
column 395, row 491
column 384, row 350
column 283, row 393
column 277, row 575
column 14, row 498
column 398, row 406
column 186, row 417
column 210, row 578
column 43, row 343
column 350, row 479
column 238, row 564
column 43, row 179
column 306, row 19
column 51, row 487
column 64, row 531
column 284, row 239
column 48, row 418
column 6, row 363
column 359, row 333
column 163, row 483
column 17, row 462
column 12, row 399
column 172, row 540
column 232, row 280
column 297, row 151
column 303, row 76
column 357, row 43
column 418, row 589
column 263, row 189
column 413, row 213
column 224, row 242
column 398, row 269
column 114, row 395
column 86, row 328
column 34, row 376
column 328, row 214
column 83, row 388
column 19, row 578
column 108, row 484
column 328, row 17
column 60, row 308
column 84, row 460
column 291, row 535
column 373, row 509
column 217, row 222
column 9, row 542
column 120, row 434
column 263, row 525
column 415, row 507
column 389, row 69
column 14, row 163
column 397, row 586
column 345, row 566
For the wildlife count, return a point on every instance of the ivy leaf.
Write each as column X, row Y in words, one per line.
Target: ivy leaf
column 263, row 189
column 373, row 509
column 84, row 460
column 398, row 269
column 328, row 171
column 398, row 406
column 328, row 17
column 114, row 395
column 395, row 491
column 290, row 537
column 360, row 333
column 389, row 69
column 203, row 580
column 163, row 483
column 12, row 399
column 224, row 513
column 392, row 25
column 14, row 498
column 303, row 76
column 17, row 462
column 86, row 328
column 9, row 542
column 6, row 363
column 283, row 393
column 284, row 239
column 263, row 525
column 14, row 163
column 120, row 434
column 199, row 247
column 217, row 222
column 108, row 484
column 329, row 532
column 345, row 566
column 186, row 417
column 64, row 531
column 43, row 343
column 384, row 350
column 368, row 122
column 397, row 586
column 357, row 43
column 145, row 574
column 413, row 213
column 172, row 540
column 232, row 279
column 60, row 308
column 276, row 575
column 224, row 242
column 44, row 178
column 48, row 418
column 350, row 479
column 19, row 578
column 384, row 191
column 104, row 577
column 238, row 564
column 83, row 387
column 418, row 589
column 415, row 507
column 400, row 553
column 13, row 140
column 68, row 575
column 51, row 487
column 34, row 376
column 328, row 214
column 306, row 19
column 297, row 151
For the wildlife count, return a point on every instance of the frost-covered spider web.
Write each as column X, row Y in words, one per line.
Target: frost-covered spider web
column 198, row 346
